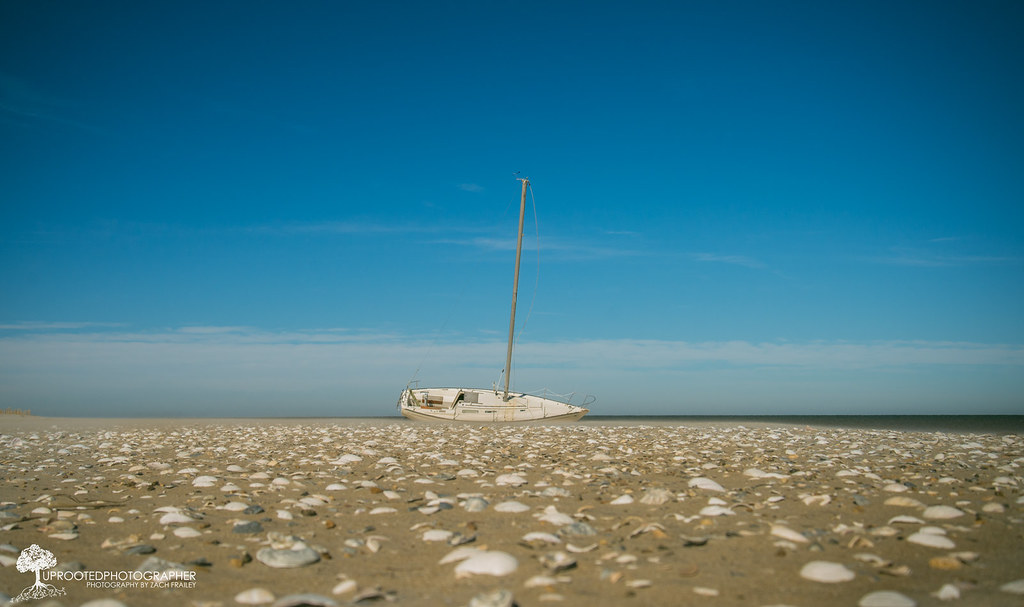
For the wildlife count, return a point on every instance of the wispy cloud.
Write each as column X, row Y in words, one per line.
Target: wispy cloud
column 30, row 325
column 471, row 187
column 922, row 259
column 739, row 260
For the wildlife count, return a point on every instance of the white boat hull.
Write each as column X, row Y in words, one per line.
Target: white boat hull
column 483, row 406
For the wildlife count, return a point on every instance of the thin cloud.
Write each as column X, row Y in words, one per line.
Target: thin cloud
column 471, row 187
column 55, row 326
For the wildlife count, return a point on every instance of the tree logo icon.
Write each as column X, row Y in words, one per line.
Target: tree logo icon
column 37, row 559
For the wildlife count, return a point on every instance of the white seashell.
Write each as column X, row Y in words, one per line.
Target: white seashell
column 436, row 535
column 204, row 481
column 280, row 482
column 826, row 572
column 717, row 502
column 344, row 586
column 497, row 598
column 622, row 500
column 788, row 534
column 706, row 484
column 383, row 510
column 186, row 532
column 540, row 536
column 235, row 468
column 906, row 502
column 817, row 500
column 540, row 581
column 459, row 554
column 993, row 508
column 895, row 488
column 909, row 520
column 475, row 504
column 931, row 540
column 942, row 512
column 254, row 596
column 1014, row 587
column 115, row 519
column 705, row 591
column 886, row 598
column 284, row 515
column 513, row 480
column 467, row 473
column 657, row 497
column 580, row 550
column 348, row 458
column 234, row 506
column 230, row 488
column 639, row 583
column 755, row 473
column 553, row 516
column 948, row 592
column 335, row 487
column 176, row 518
column 716, row 511
column 487, row 562
column 512, row 507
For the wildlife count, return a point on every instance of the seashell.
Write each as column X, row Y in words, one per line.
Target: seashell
column 540, row 536
column 557, row 561
column 513, row 480
column 622, row 500
column 288, row 558
column 204, row 481
column 895, row 488
column 284, row 515
column 579, row 550
column 553, row 516
column 657, row 497
column 755, row 473
column 346, row 459
column 942, row 512
column 788, row 534
column 578, row 529
column 907, row 520
column 716, row 511
column 511, row 507
column 335, row 487
column 497, row 598
column 254, row 596
column 817, row 500
column 1014, row 587
column 304, row 600
column 639, row 583
column 475, row 504
column 436, row 535
column 931, row 540
column 487, row 562
column 383, row 510
column 234, row 506
column 826, row 572
column 186, row 532
column 344, row 586
column 459, row 554
column 948, row 592
column 902, row 500
column 176, row 518
column 886, row 598
column 706, row 484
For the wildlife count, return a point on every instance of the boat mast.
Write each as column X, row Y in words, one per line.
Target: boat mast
column 515, row 286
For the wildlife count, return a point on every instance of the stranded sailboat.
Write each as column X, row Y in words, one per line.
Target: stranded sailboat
column 489, row 405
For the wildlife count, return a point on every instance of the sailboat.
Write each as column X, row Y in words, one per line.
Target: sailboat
column 490, row 404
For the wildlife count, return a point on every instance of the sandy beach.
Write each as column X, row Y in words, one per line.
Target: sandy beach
column 332, row 512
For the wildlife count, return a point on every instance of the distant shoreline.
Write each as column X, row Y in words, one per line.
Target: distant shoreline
column 995, row 424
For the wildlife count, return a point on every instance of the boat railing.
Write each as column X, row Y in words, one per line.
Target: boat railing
column 546, row 393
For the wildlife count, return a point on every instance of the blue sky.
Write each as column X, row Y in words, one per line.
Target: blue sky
column 260, row 208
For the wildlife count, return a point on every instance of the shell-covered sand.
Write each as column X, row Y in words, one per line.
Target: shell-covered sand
column 327, row 512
